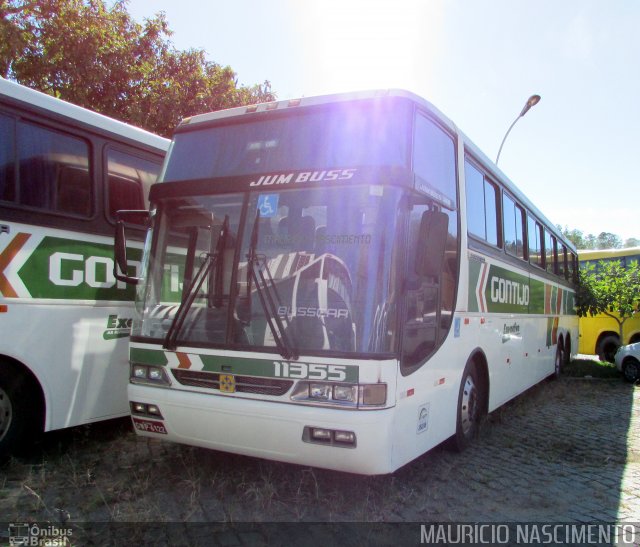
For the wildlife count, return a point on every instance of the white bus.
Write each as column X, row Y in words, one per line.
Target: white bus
column 64, row 172
column 342, row 282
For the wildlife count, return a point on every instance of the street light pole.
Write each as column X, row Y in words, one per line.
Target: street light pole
column 531, row 101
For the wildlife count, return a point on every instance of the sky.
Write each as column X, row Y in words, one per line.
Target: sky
column 575, row 154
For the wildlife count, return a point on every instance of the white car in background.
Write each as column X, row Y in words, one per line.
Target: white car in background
column 628, row 361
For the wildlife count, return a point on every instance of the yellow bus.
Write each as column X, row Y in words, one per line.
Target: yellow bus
column 600, row 334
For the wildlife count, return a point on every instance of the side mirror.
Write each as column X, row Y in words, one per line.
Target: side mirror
column 434, row 229
column 120, row 266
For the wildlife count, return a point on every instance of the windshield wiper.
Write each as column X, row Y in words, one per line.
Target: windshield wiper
column 216, row 275
column 206, row 270
column 267, row 292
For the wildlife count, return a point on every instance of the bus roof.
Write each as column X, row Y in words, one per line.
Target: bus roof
column 312, row 101
column 286, row 104
column 598, row 254
column 31, row 98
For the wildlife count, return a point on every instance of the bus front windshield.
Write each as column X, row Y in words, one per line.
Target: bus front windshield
column 295, row 271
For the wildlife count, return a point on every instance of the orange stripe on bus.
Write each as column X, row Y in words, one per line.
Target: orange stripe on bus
column 184, row 360
column 5, row 259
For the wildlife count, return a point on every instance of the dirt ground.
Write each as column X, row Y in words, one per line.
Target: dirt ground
column 566, row 451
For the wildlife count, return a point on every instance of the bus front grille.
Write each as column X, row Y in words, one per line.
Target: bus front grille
column 243, row 384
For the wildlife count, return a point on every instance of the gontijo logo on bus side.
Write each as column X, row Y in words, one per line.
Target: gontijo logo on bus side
column 42, row 266
column 496, row 289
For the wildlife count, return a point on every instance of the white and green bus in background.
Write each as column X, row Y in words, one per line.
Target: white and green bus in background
column 341, row 281
column 64, row 319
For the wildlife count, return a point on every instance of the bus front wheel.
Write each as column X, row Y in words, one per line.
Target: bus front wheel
column 470, row 408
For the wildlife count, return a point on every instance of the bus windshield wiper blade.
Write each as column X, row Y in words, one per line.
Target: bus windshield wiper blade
column 178, row 321
column 268, row 295
column 216, row 275
column 207, row 270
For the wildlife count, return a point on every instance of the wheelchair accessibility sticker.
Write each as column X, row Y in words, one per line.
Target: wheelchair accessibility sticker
column 268, row 205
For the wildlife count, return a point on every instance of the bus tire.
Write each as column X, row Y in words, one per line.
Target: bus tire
column 558, row 361
column 607, row 347
column 18, row 412
column 566, row 353
column 470, row 408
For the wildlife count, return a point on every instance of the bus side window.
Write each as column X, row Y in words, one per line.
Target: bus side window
column 7, row 159
column 535, row 243
column 482, row 205
column 514, row 220
column 54, row 171
column 562, row 260
column 129, row 178
column 550, row 251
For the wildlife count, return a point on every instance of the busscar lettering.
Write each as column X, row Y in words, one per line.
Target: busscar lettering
column 304, row 176
column 284, row 311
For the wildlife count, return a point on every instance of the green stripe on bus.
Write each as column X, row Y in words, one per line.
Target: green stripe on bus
column 494, row 289
column 147, row 356
column 266, row 368
column 68, row 269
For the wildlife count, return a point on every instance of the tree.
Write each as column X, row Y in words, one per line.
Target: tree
column 610, row 289
column 608, row 240
column 605, row 240
column 98, row 57
column 575, row 236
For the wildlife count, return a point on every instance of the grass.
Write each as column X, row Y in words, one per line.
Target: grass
column 585, row 368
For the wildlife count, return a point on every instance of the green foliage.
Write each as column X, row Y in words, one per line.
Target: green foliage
column 610, row 289
column 96, row 56
column 604, row 240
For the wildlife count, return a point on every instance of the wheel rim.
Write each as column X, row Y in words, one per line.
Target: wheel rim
column 630, row 371
column 468, row 405
column 6, row 413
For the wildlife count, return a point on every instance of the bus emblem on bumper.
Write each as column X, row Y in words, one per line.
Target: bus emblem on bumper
column 227, row 383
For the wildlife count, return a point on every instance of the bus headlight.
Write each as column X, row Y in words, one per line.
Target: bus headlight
column 320, row 391
column 341, row 395
column 148, row 374
column 345, row 393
